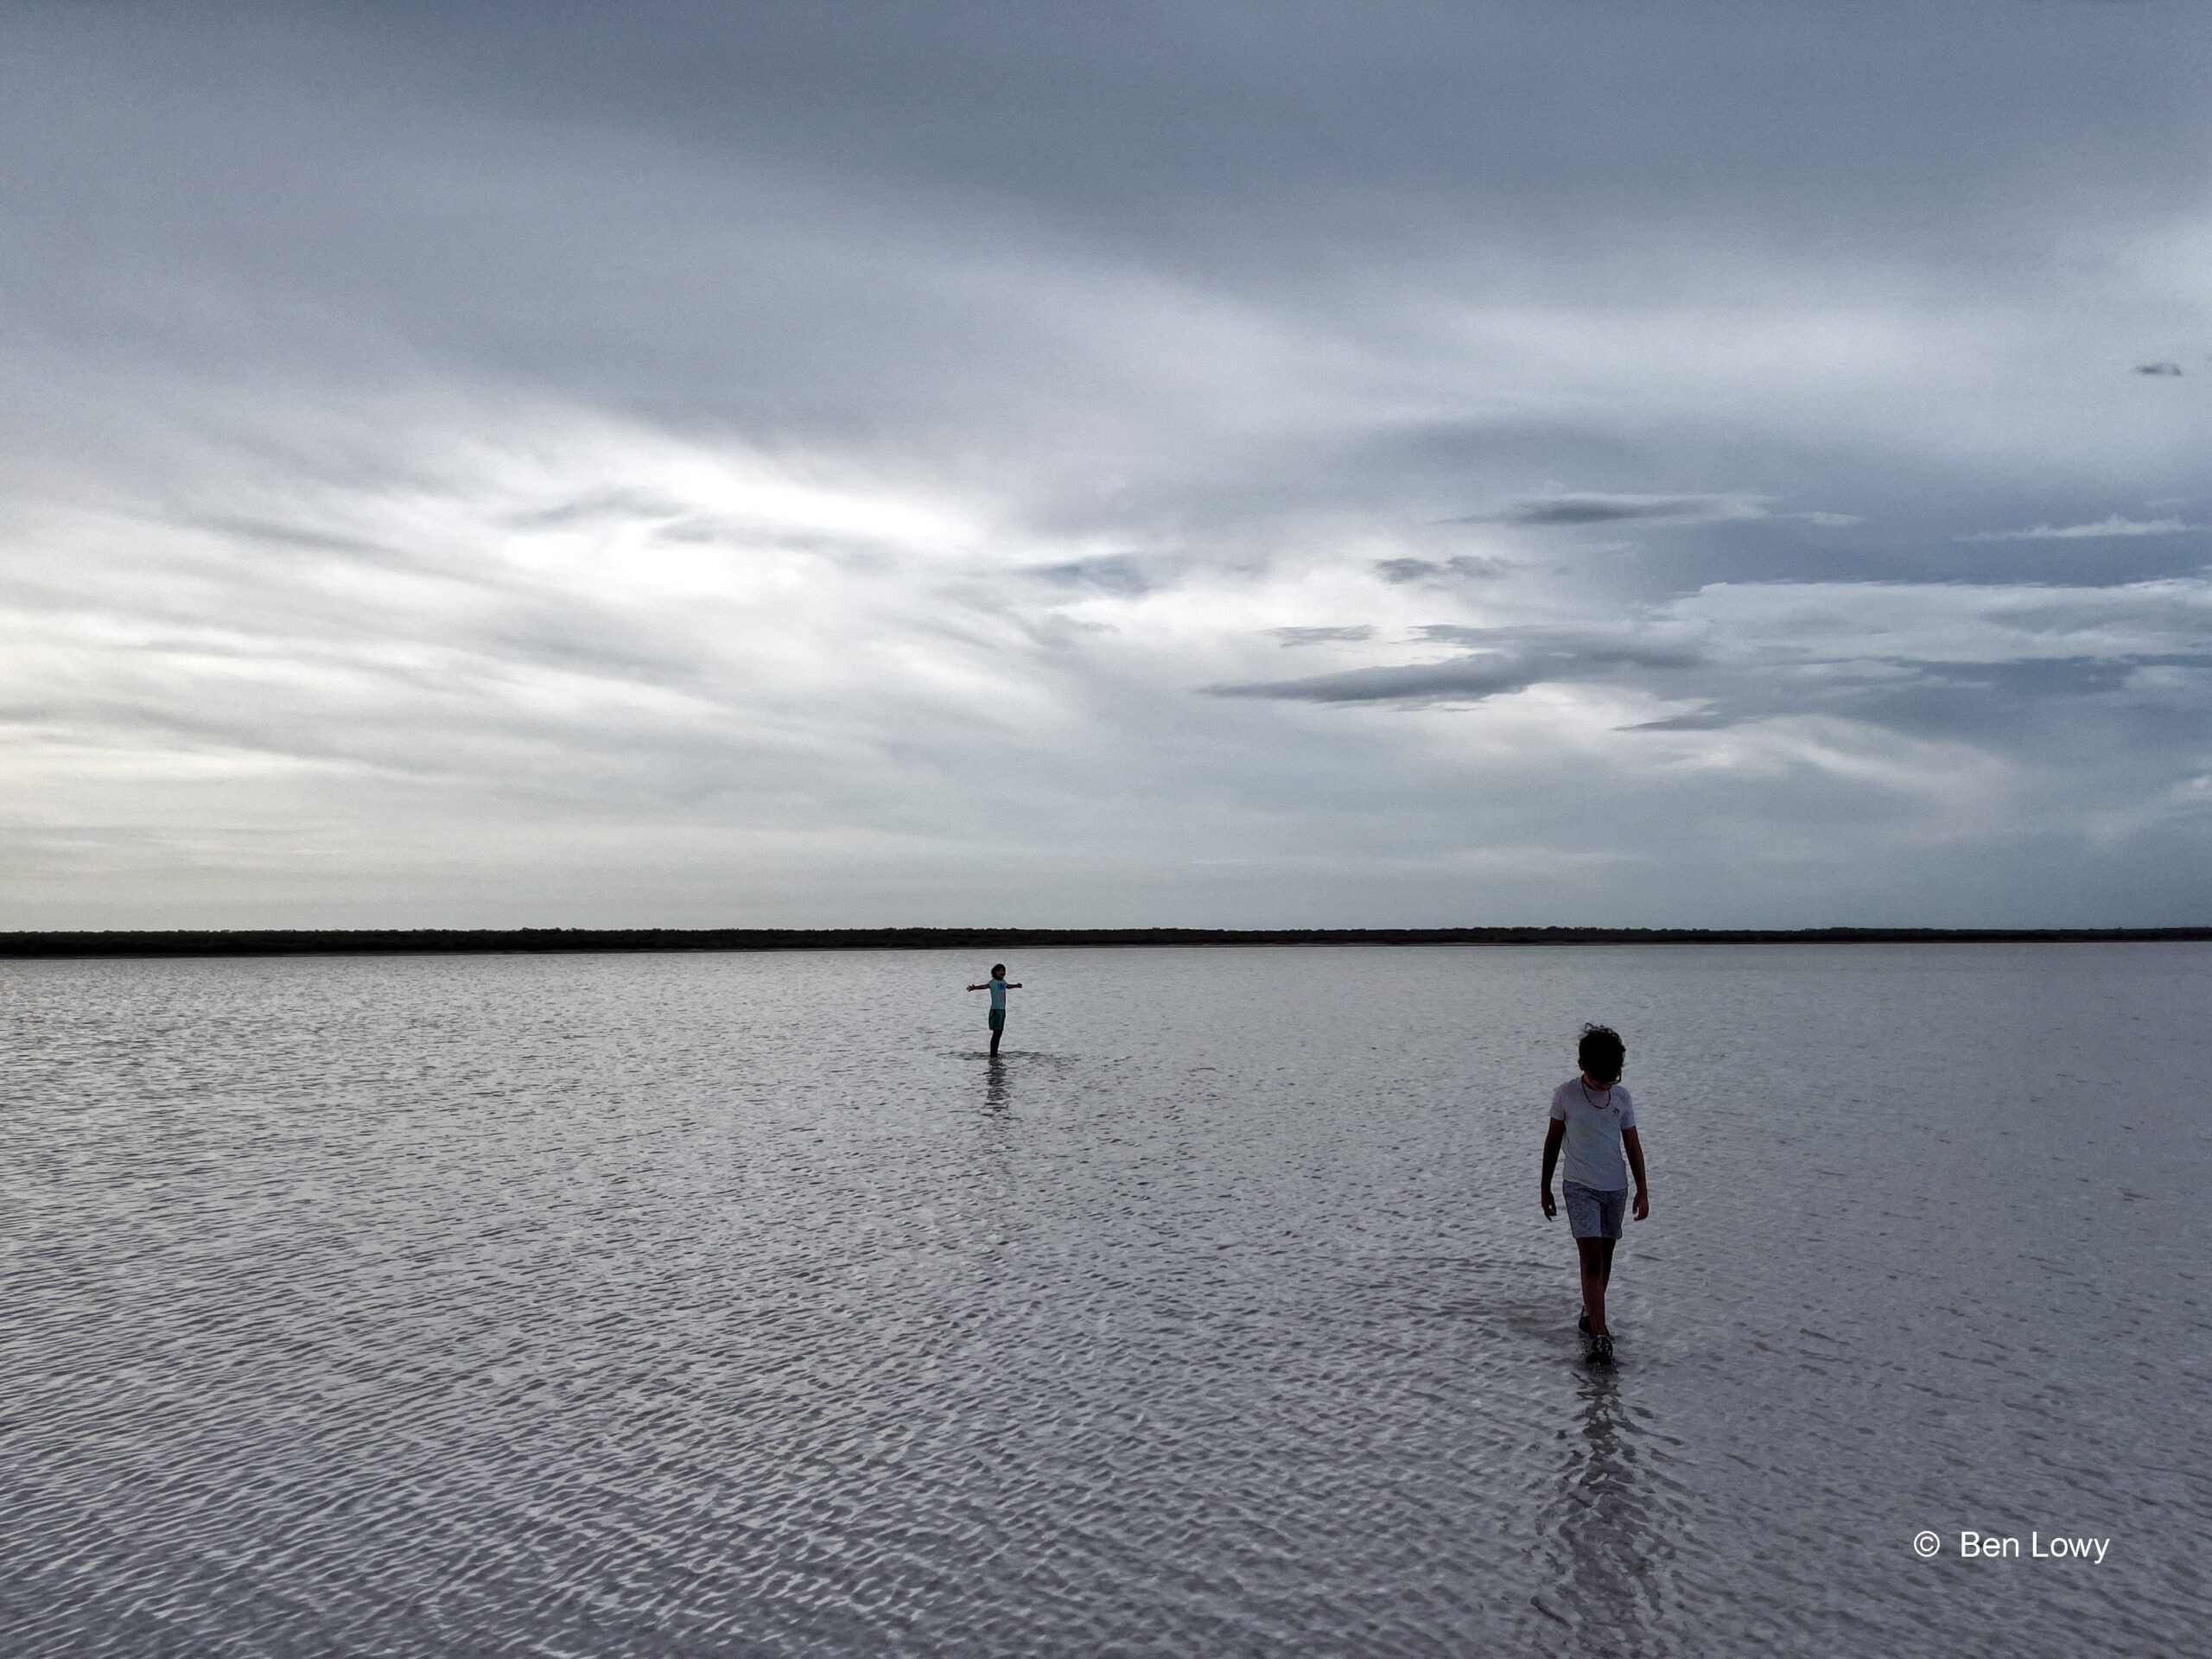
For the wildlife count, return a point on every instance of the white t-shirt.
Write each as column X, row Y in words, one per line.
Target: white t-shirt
column 1594, row 1120
column 998, row 994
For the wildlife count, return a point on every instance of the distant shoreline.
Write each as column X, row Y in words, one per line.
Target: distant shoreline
column 542, row 940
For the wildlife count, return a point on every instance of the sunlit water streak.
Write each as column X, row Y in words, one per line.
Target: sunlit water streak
column 738, row 1304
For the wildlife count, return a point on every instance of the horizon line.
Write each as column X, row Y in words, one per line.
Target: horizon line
column 277, row 942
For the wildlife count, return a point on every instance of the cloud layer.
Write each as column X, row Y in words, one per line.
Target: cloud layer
column 1211, row 463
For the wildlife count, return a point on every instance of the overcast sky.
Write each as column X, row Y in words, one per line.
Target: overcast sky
column 1060, row 464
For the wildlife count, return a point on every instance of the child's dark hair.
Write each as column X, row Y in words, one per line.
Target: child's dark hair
column 998, row 969
column 1602, row 1053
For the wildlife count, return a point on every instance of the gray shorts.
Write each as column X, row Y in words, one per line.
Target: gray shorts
column 1592, row 1213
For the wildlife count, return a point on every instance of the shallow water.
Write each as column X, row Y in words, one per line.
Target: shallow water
column 737, row 1303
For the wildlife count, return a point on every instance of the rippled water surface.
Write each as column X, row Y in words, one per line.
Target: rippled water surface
column 738, row 1304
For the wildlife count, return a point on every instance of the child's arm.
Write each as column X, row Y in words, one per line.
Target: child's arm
column 1553, row 1135
column 1014, row 984
column 1632, row 1143
column 979, row 987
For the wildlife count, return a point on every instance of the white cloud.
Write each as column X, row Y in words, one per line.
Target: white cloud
column 2114, row 526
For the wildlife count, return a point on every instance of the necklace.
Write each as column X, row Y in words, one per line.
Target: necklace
column 1586, row 1093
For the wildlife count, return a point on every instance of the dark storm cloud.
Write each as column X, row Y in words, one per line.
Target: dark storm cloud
column 1837, row 651
column 1461, row 679
column 1464, row 567
column 1598, row 509
column 1111, row 574
column 1320, row 122
column 1503, row 660
column 1643, row 649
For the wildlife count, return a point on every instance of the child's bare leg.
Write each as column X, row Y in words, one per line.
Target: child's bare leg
column 1593, row 1254
column 1605, row 1265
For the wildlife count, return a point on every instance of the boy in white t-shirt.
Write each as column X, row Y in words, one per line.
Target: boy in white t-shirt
column 1592, row 1115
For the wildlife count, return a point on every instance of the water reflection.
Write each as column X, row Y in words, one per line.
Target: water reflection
column 1611, row 1524
column 996, row 1100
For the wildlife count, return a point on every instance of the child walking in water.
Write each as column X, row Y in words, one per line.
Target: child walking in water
column 998, row 988
column 1593, row 1116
